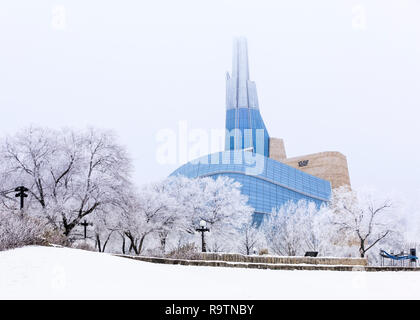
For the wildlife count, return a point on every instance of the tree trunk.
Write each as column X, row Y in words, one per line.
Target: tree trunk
column 362, row 248
column 123, row 244
column 136, row 244
column 163, row 244
column 140, row 247
column 98, row 242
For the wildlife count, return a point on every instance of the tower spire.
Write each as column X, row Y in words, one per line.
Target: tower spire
column 240, row 91
column 240, row 66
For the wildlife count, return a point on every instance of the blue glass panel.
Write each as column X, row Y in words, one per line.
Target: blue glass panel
column 277, row 184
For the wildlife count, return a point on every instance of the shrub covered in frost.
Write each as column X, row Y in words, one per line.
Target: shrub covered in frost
column 17, row 230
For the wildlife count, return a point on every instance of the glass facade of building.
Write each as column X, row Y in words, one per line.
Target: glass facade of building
column 267, row 183
column 250, row 125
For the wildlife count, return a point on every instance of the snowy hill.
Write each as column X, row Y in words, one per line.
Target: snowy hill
column 57, row 273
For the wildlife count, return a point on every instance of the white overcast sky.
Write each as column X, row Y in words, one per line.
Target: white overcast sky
column 326, row 79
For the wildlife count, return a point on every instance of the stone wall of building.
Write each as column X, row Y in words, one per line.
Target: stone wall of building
column 277, row 150
column 330, row 165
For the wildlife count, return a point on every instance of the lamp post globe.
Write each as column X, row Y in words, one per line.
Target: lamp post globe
column 203, row 229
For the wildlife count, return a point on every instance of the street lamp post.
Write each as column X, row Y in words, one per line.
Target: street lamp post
column 203, row 229
column 21, row 194
column 85, row 224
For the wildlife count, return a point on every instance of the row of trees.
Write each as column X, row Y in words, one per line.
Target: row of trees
column 350, row 225
column 163, row 216
column 73, row 176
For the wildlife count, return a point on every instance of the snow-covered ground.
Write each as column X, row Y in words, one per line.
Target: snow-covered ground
column 57, row 273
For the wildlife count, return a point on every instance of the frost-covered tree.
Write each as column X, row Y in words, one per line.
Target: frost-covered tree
column 361, row 218
column 152, row 214
column 292, row 229
column 105, row 224
column 250, row 237
column 70, row 174
column 224, row 209
column 218, row 201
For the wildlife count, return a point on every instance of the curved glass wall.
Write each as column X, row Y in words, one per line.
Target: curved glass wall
column 267, row 183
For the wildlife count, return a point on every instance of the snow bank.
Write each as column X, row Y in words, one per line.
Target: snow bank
column 63, row 273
